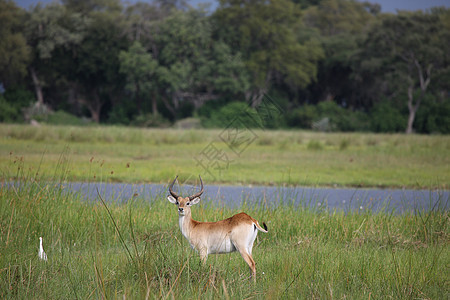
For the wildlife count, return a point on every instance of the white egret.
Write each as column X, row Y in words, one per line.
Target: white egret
column 42, row 254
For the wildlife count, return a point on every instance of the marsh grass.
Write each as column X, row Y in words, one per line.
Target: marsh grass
column 275, row 158
column 135, row 249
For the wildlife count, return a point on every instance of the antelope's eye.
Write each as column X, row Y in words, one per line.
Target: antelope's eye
column 188, row 203
column 177, row 203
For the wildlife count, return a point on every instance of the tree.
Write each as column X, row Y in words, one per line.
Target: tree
column 267, row 35
column 306, row 3
column 141, row 23
column 193, row 67
column 341, row 23
column 14, row 52
column 87, row 7
column 410, row 48
column 140, row 69
column 47, row 29
column 95, row 79
column 334, row 17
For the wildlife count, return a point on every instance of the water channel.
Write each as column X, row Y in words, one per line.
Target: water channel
column 392, row 200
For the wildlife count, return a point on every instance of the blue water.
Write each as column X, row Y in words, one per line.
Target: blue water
column 392, row 200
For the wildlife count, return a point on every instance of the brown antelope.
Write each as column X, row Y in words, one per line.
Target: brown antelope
column 236, row 233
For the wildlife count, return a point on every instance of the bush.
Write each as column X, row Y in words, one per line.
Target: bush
column 328, row 116
column 8, row 113
column 206, row 110
column 302, row 117
column 353, row 121
column 150, row 120
column 236, row 114
column 270, row 116
column 19, row 97
column 12, row 102
column 334, row 113
column 119, row 115
column 433, row 116
column 123, row 113
column 61, row 117
column 385, row 117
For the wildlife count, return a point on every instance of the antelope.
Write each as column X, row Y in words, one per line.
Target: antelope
column 236, row 233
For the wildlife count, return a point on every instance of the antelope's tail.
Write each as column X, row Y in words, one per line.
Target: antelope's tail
column 260, row 228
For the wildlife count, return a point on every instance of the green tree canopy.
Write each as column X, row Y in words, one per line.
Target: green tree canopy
column 341, row 23
column 140, row 69
column 14, row 52
column 194, row 67
column 409, row 48
column 143, row 63
column 48, row 28
column 267, row 34
column 95, row 79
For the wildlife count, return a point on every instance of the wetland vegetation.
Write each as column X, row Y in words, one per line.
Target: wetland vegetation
column 134, row 155
column 135, row 250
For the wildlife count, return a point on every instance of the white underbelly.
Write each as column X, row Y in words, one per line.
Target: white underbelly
column 221, row 246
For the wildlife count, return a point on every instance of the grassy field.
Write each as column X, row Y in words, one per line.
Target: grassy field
column 136, row 251
column 118, row 154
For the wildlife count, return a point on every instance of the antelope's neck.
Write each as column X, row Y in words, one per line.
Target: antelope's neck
column 185, row 223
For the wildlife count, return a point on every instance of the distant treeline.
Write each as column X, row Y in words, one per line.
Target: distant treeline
column 337, row 65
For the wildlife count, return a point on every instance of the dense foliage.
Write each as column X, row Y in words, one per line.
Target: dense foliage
column 335, row 65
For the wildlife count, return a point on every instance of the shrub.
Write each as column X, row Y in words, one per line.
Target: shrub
column 353, row 121
column 433, row 116
column 61, row 117
column 302, row 117
column 8, row 113
column 19, row 97
column 328, row 116
column 119, row 114
column 385, row 117
column 12, row 102
column 236, row 114
column 150, row 120
column 271, row 112
column 205, row 111
column 335, row 113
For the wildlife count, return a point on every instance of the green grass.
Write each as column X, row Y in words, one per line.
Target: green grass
column 136, row 250
column 119, row 154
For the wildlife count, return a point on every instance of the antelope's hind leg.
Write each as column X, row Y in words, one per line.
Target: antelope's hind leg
column 244, row 251
column 250, row 261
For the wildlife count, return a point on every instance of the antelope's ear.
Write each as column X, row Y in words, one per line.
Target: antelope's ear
column 172, row 199
column 195, row 200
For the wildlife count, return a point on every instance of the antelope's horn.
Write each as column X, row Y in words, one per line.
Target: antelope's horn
column 170, row 189
column 199, row 193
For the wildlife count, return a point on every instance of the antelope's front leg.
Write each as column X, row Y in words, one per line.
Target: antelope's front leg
column 203, row 251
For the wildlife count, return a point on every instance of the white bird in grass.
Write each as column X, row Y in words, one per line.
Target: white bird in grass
column 42, row 254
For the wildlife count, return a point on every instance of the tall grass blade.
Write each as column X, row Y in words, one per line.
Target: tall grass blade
column 122, row 241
